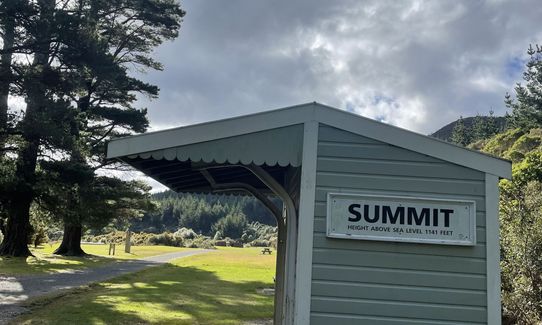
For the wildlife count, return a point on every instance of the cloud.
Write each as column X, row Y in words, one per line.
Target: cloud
column 415, row 64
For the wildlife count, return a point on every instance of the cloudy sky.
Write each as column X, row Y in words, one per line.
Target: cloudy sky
column 415, row 64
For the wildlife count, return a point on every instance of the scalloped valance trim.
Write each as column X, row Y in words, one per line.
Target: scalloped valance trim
column 273, row 147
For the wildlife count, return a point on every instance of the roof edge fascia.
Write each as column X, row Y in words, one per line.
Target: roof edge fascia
column 413, row 141
column 209, row 131
column 299, row 114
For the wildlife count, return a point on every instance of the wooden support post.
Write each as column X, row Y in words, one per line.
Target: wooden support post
column 279, row 274
column 284, row 283
column 112, row 249
column 128, row 243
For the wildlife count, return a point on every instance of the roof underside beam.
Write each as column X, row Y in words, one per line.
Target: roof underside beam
column 236, row 186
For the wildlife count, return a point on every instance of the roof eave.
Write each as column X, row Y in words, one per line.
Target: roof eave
column 302, row 113
column 209, row 131
column 414, row 141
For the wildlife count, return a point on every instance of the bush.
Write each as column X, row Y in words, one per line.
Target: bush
column 501, row 143
column 260, row 243
column 185, row 233
column 273, row 242
column 521, row 248
column 259, row 235
column 200, row 242
column 119, row 237
column 228, row 242
column 166, row 239
column 221, row 243
column 183, row 237
column 236, row 243
column 139, row 239
column 217, row 236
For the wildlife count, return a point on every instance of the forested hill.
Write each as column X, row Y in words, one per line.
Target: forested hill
column 445, row 133
column 200, row 212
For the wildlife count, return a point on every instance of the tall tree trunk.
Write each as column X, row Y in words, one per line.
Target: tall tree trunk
column 18, row 228
column 71, row 241
column 7, row 23
column 8, row 39
column 15, row 242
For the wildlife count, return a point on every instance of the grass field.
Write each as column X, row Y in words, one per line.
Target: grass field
column 213, row 288
column 44, row 261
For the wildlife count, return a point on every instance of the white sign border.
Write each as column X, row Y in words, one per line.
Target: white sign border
column 472, row 221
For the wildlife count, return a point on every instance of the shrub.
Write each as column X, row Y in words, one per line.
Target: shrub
column 200, row 242
column 521, row 248
column 166, row 239
column 259, row 235
column 501, row 143
column 260, row 243
column 141, row 238
column 273, row 242
column 236, row 243
column 185, row 233
column 217, row 236
column 221, row 243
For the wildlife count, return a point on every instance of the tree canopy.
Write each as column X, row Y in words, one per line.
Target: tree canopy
column 75, row 67
column 526, row 106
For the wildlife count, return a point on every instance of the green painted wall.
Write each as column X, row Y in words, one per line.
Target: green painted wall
column 377, row 283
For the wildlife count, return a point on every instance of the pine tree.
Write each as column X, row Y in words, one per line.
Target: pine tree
column 461, row 135
column 479, row 127
column 79, row 198
column 492, row 126
column 78, row 91
column 527, row 106
column 484, row 127
column 39, row 78
column 105, row 90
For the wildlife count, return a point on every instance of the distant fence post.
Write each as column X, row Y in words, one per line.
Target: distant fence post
column 111, row 249
column 128, row 241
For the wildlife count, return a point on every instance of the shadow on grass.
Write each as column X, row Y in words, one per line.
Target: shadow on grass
column 168, row 294
column 49, row 263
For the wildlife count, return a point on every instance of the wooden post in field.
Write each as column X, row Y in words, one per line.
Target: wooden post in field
column 111, row 249
column 128, row 244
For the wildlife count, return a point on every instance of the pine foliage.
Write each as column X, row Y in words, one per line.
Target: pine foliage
column 527, row 105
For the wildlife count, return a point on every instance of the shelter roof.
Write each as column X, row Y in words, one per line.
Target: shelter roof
column 274, row 138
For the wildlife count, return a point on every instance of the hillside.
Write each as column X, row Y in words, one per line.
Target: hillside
column 512, row 144
column 445, row 133
column 200, row 212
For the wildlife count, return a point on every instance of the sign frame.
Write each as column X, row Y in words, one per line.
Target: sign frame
column 471, row 241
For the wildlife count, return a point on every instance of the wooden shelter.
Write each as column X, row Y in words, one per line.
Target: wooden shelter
column 380, row 225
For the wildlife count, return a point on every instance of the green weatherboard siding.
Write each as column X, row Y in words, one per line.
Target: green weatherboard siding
column 372, row 282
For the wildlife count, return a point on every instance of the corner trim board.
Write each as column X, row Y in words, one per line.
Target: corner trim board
column 306, row 224
column 493, row 251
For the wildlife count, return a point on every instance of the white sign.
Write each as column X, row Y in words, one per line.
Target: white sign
column 407, row 219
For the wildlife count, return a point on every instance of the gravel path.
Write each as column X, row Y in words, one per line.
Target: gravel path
column 16, row 289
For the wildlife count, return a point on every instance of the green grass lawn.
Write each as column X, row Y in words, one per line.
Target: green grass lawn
column 213, row 288
column 44, row 261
